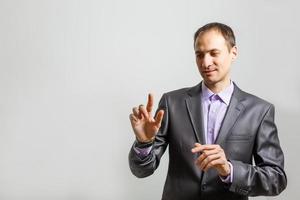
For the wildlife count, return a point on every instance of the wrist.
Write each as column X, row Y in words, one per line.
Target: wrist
column 144, row 144
column 145, row 141
column 226, row 171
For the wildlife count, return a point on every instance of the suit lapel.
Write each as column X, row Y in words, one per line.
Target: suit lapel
column 194, row 108
column 231, row 116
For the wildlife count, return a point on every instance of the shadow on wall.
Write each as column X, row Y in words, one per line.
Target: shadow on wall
column 289, row 135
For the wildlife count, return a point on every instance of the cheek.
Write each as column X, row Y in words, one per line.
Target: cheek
column 218, row 63
column 198, row 62
column 222, row 63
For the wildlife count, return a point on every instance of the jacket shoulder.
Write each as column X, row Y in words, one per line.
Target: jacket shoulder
column 183, row 92
column 253, row 100
column 178, row 92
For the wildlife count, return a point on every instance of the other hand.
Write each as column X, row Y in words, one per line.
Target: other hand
column 212, row 156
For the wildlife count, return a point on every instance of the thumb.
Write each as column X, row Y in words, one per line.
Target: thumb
column 158, row 118
column 197, row 145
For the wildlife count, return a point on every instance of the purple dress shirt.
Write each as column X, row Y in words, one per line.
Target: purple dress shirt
column 214, row 107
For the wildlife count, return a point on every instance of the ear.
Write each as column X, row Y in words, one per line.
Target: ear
column 234, row 52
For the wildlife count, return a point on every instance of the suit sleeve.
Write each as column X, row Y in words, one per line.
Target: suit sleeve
column 143, row 167
column 267, row 177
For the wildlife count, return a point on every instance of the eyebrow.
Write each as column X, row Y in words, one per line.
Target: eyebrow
column 210, row 50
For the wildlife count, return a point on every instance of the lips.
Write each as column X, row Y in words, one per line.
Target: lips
column 209, row 71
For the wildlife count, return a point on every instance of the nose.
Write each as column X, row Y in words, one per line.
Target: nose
column 207, row 61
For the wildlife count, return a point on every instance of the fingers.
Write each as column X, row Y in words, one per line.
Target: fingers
column 199, row 148
column 208, row 161
column 143, row 111
column 133, row 119
column 136, row 112
column 213, row 164
column 159, row 118
column 208, row 153
column 140, row 112
column 150, row 103
column 212, row 156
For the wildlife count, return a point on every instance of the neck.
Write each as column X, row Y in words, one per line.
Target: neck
column 218, row 87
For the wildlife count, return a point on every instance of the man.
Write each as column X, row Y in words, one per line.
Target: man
column 214, row 131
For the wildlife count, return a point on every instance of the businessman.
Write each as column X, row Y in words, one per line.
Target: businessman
column 223, row 142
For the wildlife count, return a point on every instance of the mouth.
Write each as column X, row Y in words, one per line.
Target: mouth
column 208, row 72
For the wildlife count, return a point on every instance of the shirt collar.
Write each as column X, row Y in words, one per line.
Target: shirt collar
column 225, row 95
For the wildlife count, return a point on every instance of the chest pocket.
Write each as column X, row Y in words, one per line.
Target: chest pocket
column 238, row 138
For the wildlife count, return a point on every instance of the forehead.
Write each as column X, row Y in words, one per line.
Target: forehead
column 210, row 40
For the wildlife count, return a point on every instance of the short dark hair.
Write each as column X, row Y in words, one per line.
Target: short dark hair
column 225, row 30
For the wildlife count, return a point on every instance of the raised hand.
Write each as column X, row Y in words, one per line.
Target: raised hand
column 143, row 124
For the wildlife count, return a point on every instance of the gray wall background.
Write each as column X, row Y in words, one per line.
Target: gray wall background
column 71, row 70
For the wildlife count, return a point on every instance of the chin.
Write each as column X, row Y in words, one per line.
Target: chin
column 210, row 81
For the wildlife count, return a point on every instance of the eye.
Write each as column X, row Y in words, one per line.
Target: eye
column 214, row 53
column 199, row 55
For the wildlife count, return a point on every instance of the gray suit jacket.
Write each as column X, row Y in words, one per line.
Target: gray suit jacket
column 248, row 133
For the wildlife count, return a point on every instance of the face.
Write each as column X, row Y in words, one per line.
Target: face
column 213, row 58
